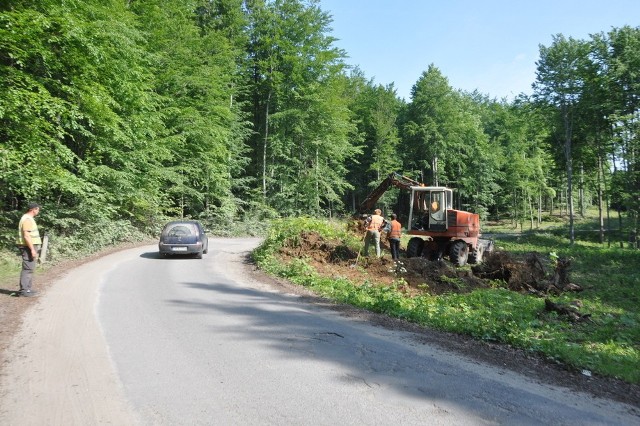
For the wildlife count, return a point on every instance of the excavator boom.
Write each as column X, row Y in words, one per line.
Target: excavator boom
column 394, row 179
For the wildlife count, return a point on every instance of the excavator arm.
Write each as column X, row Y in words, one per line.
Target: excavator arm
column 394, row 179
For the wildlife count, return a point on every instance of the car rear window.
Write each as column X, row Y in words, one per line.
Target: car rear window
column 181, row 230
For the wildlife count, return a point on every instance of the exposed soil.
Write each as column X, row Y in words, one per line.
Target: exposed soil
column 533, row 274
column 334, row 260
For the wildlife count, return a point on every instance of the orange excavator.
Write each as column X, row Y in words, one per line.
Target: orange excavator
column 438, row 230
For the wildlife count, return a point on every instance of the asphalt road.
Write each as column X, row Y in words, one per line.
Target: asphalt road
column 133, row 338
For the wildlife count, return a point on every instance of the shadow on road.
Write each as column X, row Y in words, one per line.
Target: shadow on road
column 380, row 360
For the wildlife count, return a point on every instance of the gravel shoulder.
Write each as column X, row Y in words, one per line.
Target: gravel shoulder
column 62, row 301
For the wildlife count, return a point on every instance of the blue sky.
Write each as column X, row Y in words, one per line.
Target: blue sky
column 488, row 45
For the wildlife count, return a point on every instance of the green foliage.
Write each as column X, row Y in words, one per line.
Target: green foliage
column 95, row 237
column 606, row 344
column 66, row 245
column 194, row 66
column 81, row 64
column 298, row 108
column 110, row 112
column 375, row 109
column 221, row 109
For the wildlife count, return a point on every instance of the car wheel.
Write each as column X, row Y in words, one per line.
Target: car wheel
column 199, row 255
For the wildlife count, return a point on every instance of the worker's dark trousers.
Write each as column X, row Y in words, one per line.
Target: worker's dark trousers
column 28, row 267
column 395, row 248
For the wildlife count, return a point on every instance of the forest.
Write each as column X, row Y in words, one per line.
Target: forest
column 117, row 115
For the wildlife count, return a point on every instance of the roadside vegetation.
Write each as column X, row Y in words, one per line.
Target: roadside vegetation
column 606, row 342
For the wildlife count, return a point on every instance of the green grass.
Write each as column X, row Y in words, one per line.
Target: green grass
column 608, row 344
column 9, row 265
column 586, row 228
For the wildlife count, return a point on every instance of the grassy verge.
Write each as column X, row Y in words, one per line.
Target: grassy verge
column 608, row 344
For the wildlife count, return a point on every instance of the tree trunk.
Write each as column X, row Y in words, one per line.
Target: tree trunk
column 581, row 205
column 600, row 211
column 317, row 182
column 515, row 209
column 434, row 167
column 569, row 158
column 530, row 203
column 608, row 203
column 264, row 148
column 539, row 209
column 572, row 237
column 620, row 230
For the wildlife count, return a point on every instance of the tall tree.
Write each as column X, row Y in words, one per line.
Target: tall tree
column 431, row 116
column 444, row 142
column 560, row 79
column 480, row 153
column 624, row 67
column 593, row 124
column 298, row 138
column 375, row 109
column 194, row 66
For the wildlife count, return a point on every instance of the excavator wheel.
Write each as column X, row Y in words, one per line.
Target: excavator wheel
column 476, row 254
column 459, row 253
column 414, row 247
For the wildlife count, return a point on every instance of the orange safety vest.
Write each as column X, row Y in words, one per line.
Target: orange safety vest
column 396, row 229
column 376, row 223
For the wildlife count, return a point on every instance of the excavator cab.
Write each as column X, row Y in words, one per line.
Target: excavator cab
column 429, row 205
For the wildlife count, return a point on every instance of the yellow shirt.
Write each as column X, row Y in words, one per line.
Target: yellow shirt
column 28, row 224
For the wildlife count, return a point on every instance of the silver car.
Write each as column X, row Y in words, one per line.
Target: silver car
column 183, row 237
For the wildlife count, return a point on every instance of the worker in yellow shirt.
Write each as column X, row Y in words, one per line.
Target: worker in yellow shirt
column 28, row 242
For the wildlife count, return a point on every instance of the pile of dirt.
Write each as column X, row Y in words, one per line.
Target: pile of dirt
column 529, row 274
column 419, row 275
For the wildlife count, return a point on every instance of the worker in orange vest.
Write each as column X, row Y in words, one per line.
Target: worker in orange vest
column 394, row 237
column 374, row 224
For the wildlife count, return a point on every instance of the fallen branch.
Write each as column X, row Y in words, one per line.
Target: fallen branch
column 572, row 313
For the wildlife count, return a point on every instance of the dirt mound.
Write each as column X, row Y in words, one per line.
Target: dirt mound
column 313, row 246
column 419, row 275
column 528, row 275
column 518, row 274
